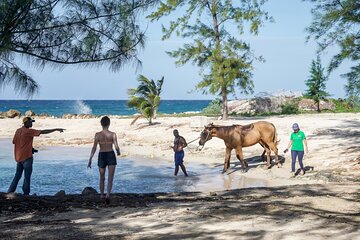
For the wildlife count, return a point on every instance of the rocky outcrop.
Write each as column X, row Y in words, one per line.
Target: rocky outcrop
column 60, row 193
column 256, row 105
column 12, row 113
column 30, row 113
column 310, row 105
column 88, row 191
column 77, row 116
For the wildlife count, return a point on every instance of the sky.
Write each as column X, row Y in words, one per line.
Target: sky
column 282, row 43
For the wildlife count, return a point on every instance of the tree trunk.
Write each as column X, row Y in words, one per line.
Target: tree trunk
column 155, row 113
column 225, row 111
column 318, row 106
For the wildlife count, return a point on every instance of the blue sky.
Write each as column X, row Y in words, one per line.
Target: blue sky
column 282, row 44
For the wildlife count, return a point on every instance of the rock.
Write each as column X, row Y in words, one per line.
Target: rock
column 257, row 105
column 2, row 114
column 89, row 191
column 310, row 105
column 29, row 113
column 69, row 116
column 60, row 193
column 12, row 113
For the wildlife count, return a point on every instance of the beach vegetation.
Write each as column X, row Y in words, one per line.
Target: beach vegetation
column 225, row 60
column 337, row 23
column 316, row 83
column 146, row 97
column 67, row 32
column 214, row 107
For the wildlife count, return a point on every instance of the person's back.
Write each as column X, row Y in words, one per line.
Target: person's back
column 105, row 139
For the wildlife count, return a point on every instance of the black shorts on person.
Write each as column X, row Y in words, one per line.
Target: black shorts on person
column 106, row 159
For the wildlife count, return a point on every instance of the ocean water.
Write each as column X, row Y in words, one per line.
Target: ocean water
column 65, row 168
column 97, row 107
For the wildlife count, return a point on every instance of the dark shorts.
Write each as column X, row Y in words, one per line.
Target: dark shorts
column 179, row 158
column 106, row 159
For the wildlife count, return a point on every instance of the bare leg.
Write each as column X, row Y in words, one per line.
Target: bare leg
column 176, row 170
column 111, row 171
column 184, row 169
column 102, row 180
column 227, row 159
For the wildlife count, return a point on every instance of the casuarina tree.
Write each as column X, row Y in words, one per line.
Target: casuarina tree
column 146, row 97
column 65, row 32
column 214, row 45
column 316, row 83
column 337, row 23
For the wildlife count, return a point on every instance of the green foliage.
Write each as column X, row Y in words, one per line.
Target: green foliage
column 346, row 105
column 316, row 83
column 146, row 97
column 336, row 22
column 226, row 62
column 214, row 108
column 63, row 32
column 291, row 107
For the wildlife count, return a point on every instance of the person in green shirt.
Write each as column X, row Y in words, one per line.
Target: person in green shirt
column 299, row 144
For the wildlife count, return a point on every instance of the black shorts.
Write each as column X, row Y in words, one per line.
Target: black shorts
column 106, row 159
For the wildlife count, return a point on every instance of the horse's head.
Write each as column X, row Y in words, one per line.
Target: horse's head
column 206, row 134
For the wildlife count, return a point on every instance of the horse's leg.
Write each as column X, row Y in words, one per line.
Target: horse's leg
column 240, row 156
column 263, row 154
column 227, row 159
column 268, row 154
column 274, row 148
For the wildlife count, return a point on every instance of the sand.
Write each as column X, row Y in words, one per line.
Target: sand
column 322, row 204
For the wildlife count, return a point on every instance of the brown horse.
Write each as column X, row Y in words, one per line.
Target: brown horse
column 238, row 136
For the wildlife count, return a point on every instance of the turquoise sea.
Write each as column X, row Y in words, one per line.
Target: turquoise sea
column 97, row 107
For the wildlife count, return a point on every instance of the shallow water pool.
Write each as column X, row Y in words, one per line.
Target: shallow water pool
column 65, row 168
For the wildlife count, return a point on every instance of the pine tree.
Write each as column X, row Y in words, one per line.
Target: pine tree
column 316, row 83
column 337, row 22
column 57, row 33
column 226, row 62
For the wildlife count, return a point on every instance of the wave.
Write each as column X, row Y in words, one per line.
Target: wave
column 81, row 107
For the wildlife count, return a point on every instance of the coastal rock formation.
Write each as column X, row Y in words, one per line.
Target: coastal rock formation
column 60, row 193
column 12, row 113
column 310, row 105
column 256, row 105
column 88, row 191
column 29, row 113
column 77, row 116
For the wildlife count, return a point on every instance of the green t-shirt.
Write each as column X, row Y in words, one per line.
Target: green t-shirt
column 298, row 139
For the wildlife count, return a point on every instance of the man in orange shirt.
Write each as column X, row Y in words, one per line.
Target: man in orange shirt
column 23, row 151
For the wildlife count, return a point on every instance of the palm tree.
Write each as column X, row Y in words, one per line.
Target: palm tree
column 146, row 97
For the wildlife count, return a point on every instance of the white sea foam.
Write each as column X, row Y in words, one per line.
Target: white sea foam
column 82, row 108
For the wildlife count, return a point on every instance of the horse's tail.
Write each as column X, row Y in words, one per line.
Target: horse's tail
column 275, row 139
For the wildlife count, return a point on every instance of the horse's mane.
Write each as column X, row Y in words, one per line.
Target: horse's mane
column 228, row 130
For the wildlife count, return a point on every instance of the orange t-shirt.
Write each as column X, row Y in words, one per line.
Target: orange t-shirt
column 23, row 140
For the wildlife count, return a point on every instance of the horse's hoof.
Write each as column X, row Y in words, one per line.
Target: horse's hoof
column 279, row 165
column 268, row 166
column 243, row 170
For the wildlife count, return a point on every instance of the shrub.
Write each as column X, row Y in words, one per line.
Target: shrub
column 291, row 107
column 214, row 108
